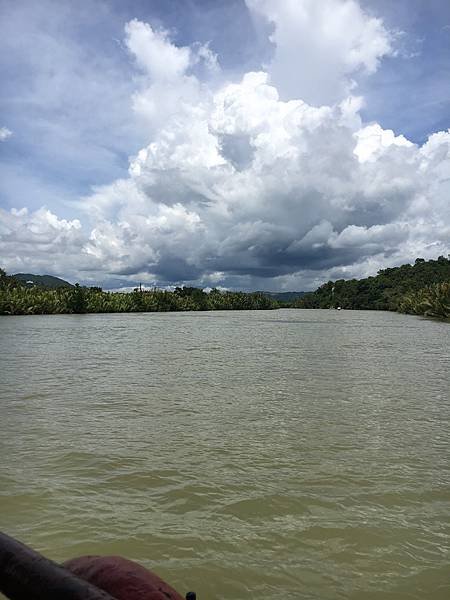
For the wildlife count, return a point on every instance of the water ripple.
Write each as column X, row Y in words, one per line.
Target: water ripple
column 294, row 454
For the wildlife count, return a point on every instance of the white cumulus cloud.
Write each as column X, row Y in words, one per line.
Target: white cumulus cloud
column 321, row 46
column 252, row 183
column 257, row 188
column 39, row 239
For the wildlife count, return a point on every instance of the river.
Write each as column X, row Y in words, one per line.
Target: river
column 272, row 455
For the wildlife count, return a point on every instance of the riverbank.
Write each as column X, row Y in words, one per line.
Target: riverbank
column 78, row 300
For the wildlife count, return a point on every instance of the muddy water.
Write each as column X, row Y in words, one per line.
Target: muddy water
column 282, row 454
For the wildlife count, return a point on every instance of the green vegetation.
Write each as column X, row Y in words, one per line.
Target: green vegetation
column 432, row 301
column 16, row 299
column 419, row 289
column 407, row 288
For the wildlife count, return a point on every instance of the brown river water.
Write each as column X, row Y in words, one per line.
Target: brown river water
column 272, row 455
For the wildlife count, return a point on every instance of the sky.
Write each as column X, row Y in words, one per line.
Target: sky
column 239, row 144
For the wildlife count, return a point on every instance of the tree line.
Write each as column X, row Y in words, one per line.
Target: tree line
column 419, row 289
column 17, row 299
column 422, row 288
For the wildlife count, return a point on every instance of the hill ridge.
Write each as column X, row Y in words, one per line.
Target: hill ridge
column 44, row 281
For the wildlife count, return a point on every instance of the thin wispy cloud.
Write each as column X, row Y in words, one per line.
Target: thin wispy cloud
column 5, row 133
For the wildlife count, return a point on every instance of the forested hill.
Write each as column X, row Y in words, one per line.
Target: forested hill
column 41, row 281
column 385, row 291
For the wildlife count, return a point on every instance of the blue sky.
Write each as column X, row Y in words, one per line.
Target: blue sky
column 410, row 92
column 75, row 96
column 77, row 138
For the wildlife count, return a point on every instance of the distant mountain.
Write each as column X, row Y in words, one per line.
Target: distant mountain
column 284, row 296
column 41, row 281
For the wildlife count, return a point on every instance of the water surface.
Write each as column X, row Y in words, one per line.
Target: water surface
column 281, row 454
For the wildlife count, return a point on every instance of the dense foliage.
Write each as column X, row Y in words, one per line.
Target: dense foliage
column 422, row 289
column 432, row 301
column 16, row 299
column 385, row 291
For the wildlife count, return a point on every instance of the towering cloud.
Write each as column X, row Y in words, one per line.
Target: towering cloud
column 321, row 47
column 270, row 181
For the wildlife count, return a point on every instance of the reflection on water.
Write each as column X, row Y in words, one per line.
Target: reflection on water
column 288, row 454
